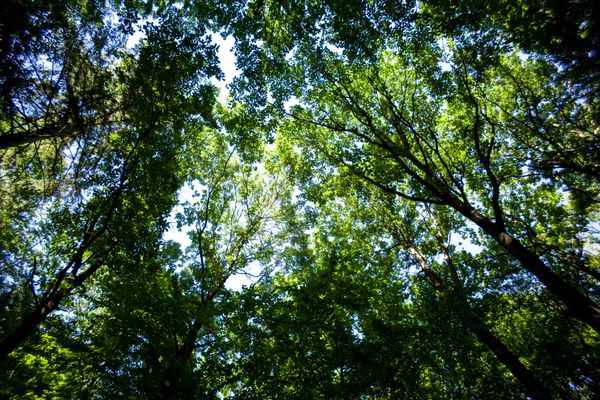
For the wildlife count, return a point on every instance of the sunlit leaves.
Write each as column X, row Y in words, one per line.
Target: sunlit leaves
column 384, row 176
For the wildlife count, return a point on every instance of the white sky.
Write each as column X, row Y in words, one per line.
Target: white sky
column 227, row 64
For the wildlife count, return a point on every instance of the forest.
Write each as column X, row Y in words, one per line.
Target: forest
column 407, row 190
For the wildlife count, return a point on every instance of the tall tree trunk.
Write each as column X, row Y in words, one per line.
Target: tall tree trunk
column 532, row 385
column 578, row 304
column 29, row 323
column 48, row 304
column 172, row 381
column 183, row 353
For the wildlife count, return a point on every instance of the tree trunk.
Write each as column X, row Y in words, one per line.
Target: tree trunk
column 9, row 140
column 578, row 304
column 49, row 303
column 29, row 323
column 532, row 385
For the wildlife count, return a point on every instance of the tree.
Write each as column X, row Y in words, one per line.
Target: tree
column 391, row 129
column 566, row 31
column 389, row 95
column 406, row 237
column 59, row 72
column 79, row 227
column 342, row 321
column 459, row 135
column 168, row 304
column 416, row 181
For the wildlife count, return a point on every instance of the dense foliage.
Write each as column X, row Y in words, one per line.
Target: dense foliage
column 410, row 189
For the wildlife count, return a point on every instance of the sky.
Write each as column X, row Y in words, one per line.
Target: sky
column 227, row 64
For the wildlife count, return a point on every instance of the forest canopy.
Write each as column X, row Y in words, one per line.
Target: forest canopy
column 409, row 189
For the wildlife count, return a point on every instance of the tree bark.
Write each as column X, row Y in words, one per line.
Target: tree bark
column 9, row 140
column 578, row 304
column 183, row 353
column 532, row 385
column 29, row 323
column 173, row 371
column 50, row 301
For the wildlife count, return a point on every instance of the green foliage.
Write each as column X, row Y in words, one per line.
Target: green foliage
column 410, row 189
